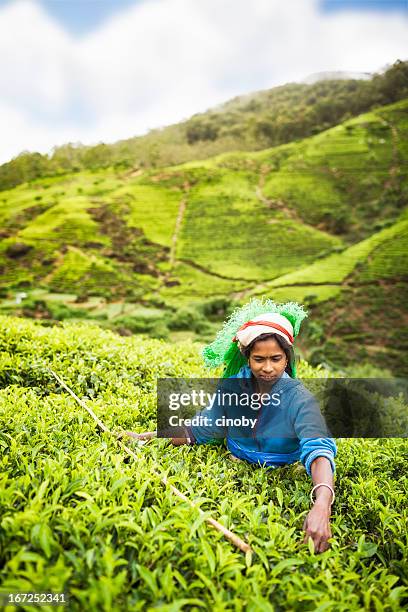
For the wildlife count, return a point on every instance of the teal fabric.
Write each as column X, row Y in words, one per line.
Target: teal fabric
column 283, row 434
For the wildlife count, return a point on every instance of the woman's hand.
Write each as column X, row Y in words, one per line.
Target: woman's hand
column 317, row 526
column 147, row 435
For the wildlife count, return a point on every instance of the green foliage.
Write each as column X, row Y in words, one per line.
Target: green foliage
column 158, row 324
column 256, row 121
column 190, row 319
column 42, row 309
column 218, row 308
column 201, row 129
column 77, row 514
column 162, row 205
column 261, row 247
column 303, row 222
column 147, row 326
column 86, row 274
column 363, row 324
column 381, row 255
column 347, row 179
column 180, row 231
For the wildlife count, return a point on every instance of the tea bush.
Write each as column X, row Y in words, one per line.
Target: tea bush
column 77, row 514
column 188, row 318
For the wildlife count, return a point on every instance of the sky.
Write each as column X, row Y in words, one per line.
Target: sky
column 101, row 70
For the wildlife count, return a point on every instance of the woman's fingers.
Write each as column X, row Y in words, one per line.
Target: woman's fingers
column 147, row 435
column 324, row 545
column 318, row 530
column 133, row 434
column 320, row 544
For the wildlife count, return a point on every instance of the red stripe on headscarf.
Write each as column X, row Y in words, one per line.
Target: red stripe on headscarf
column 268, row 324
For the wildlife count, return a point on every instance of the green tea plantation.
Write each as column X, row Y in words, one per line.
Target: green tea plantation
column 80, row 515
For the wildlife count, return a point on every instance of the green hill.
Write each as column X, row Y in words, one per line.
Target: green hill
column 240, row 217
column 252, row 122
column 357, row 302
column 294, row 221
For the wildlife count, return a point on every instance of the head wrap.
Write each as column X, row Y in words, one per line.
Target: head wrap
column 270, row 322
column 257, row 317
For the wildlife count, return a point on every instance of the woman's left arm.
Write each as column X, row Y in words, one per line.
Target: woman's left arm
column 316, row 524
column 317, row 453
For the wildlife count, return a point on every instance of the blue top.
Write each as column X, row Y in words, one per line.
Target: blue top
column 289, row 429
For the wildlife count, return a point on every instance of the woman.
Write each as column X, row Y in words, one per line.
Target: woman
column 256, row 347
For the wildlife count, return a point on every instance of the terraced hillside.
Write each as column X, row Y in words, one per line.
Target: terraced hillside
column 357, row 301
column 296, row 221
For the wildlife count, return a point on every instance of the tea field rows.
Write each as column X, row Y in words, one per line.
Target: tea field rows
column 77, row 514
column 244, row 217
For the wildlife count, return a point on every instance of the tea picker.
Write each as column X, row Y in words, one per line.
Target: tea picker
column 256, row 347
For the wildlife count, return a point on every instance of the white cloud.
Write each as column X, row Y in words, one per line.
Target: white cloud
column 162, row 60
column 33, row 53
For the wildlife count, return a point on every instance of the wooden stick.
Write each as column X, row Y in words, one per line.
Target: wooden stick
column 236, row 540
column 81, row 402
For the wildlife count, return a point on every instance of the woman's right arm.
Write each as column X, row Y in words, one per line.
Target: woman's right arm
column 148, row 435
column 209, row 432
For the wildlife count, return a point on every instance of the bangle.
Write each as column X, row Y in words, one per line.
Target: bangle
column 322, row 484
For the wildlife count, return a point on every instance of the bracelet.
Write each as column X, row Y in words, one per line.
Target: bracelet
column 322, row 484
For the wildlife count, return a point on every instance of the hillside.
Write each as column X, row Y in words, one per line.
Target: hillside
column 357, row 302
column 295, row 221
column 247, row 123
column 81, row 516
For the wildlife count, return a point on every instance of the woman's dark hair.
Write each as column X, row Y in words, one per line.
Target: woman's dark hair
column 285, row 346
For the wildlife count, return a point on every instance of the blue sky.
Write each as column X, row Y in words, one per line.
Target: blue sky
column 104, row 70
column 379, row 5
column 368, row 5
column 82, row 16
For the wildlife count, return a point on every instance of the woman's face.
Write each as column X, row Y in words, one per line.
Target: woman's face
column 267, row 360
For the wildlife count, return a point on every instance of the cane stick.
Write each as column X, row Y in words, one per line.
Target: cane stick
column 232, row 537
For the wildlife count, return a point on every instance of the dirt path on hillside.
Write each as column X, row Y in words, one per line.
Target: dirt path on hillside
column 272, row 205
column 173, row 259
column 56, row 264
column 177, row 229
